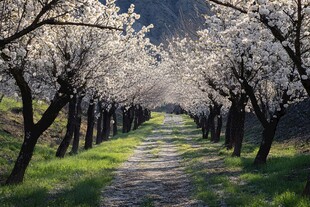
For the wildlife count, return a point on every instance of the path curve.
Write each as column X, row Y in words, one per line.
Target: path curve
column 153, row 176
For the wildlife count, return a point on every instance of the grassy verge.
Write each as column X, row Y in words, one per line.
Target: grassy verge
column 222, row 180
column 11, row 134
column 76, row 180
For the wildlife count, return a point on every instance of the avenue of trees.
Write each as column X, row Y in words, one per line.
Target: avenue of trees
column 76, row 54
column 252, row 56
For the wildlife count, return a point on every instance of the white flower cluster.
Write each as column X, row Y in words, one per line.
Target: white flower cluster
column 118, row 64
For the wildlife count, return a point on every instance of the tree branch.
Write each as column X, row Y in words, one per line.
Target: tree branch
column 230, row 6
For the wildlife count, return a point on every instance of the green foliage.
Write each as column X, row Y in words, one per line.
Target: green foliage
column 222, row 179
column 76, row 180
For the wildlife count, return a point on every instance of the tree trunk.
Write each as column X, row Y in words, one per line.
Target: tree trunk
column 99, row 137
column 203, row 123
column 198, row 121
column 148, row 114
column 77, row 128
column 211, row 123
column 306, row 191
column 218, row 128
column 208, row 124
column 228, row 138
column 212, row 130
column 24, row 157
column 106, row 125
column 136, row 117
column 63, row 147
column 32, row 134
column 90, row 125
column 131, row 117
column 238, row 129
column 125, row 120
column 268, row 135
column 141, row 118
column 114, row 124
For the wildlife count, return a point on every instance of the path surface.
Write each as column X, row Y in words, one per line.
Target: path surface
column 153, row 176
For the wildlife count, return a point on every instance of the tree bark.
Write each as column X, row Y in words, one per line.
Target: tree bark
column 141, row 118
column 125, row 120
column 136, row 117
column 238, row 130
column 106, row 125
column 268, row 135
column 63, row 147
column 218, row 128
column 77, row 128
column 208, row 123
column 148, row 114
column 90, row 125
column 229, row 142
column 131, row 117
column 212, row 129
column 114, row 124
column 203, row 124
column 198, row 120
column 99, row 137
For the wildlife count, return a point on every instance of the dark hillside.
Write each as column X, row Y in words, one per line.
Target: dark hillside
column 170, row 17
column 294, row 125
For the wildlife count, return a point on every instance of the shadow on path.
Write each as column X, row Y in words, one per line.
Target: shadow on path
column 153, row 176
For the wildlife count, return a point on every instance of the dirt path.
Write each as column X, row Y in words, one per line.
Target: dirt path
column 153, row 176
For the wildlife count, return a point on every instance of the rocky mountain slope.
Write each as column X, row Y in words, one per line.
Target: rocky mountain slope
column 170, row 17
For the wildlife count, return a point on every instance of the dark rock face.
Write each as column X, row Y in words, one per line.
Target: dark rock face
column 170, row 17
column 293, row 125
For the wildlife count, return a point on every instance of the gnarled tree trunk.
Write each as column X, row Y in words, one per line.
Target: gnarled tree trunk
column 32, row 132
column 64, row 145
column 125, row 120
column 114, row 124
column 131, row 114
column 137, row 117
column 268, row 136
column 238, row 132
column 99, row 137
column 90, row 125
column 203, row 124
column 238, row 125
column 218, row 128
column 209, row 123
column 106, row 125
column 229, row 139
column 77, row 128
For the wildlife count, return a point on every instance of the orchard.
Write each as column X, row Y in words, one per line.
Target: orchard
column 87, row 59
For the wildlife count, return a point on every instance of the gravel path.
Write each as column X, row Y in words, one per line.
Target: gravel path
column 153, row 176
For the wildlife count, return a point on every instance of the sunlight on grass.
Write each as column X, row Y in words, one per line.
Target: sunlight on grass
column 221, row 179
column 9, row 103
column 75, row 180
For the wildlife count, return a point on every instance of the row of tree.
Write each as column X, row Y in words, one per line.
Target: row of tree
column 83, row 54
column 253, row 56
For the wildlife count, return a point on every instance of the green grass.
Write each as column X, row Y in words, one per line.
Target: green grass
column 220, row 178
column 9, row 103
column 74, row 180
column 155, row 152
column 11, row 134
